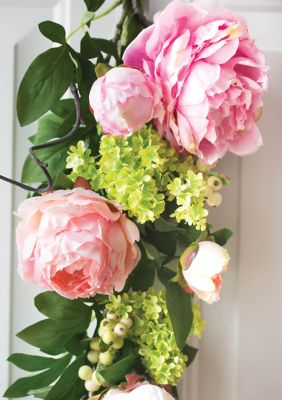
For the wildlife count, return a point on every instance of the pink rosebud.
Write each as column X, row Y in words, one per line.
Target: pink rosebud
column 124, row 100
column 202, row 267
column 145, row 391
column 212, row 77
column 76, row 243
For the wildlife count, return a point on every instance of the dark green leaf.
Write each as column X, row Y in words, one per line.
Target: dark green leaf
column 63, row 108
column 57, row 307
column 49, row 127
column 89, row 49
column 76, row 345
column 66, row 382
column 166, row 242
column 86, row 77
column 62, row 182
column 162, row 225
column 44, row 83
column 191, row 352
column 180, row 312
column 94, row 5
column 23, row 386
column 144, row 276
column 53, row 31
column 93, row 47
column 222, row 236
column 46, row 334
column 130, row 29
column 115, row 373
column 31, row 363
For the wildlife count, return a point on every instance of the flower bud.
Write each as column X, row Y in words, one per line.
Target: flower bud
column 91, row 386
column 94, row 344
column 127, row 322
column 118, row 343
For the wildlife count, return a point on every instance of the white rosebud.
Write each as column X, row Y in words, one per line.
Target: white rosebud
column 202, row 267
column 145, row 391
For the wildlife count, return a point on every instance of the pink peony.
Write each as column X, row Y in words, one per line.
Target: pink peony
column 202, row 267
column 124, row 100
column 212, row 77
column 145, row 391
column 76, row 243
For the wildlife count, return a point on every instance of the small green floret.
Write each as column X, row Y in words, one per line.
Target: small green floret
column 152, row 333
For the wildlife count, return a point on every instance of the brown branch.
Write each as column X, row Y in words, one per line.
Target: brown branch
column 44, row 166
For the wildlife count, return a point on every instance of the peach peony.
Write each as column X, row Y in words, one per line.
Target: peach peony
column 76, row 243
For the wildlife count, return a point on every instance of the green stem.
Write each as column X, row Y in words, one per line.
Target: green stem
column 116, row 4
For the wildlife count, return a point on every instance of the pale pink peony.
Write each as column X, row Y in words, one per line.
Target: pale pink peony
column 212, row 77
column 202, row 268
column 76, row 243
column 124, row 100
column 145, row 391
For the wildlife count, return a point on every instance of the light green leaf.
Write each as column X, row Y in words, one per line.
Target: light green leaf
column 116, row 373
column 31, row 363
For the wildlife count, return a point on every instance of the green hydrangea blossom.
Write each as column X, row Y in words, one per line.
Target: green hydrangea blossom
column 152, row 333
column 141, row 172
column 199, row 325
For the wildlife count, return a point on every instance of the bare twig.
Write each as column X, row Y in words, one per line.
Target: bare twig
column 55, row 142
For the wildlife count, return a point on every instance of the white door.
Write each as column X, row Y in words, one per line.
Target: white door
column 240, row 354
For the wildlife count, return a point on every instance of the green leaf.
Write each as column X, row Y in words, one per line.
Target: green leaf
column 44, row 83
column 23, row 386
column 31, row 363
column 49, row 127
column 76, row 345
column 53, row 31
column 93, row 47
column 64, row 108
column 165, row 242
column 67, row 381
column 39, row 393
column 48, row 334
column 162, row 225
column 222, row 236
column 62, row 182
column 94, row 5
column 88, row 48
column 144, row 275
column 55, row 156
column 57, row 307
column 115, row 373
column 180, row 312
column 191, row 352
column 130, row 29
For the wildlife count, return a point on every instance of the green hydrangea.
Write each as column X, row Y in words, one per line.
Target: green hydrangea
column 152, row 333
column 142, row 172
column 199, row 325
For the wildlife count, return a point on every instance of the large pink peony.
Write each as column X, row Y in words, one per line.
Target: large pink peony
column 76, row 243
column 124, row 100
column 212, row 77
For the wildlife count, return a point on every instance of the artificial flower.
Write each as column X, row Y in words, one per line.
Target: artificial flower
column 76, row 243
column 211, row 74
column 202, row 267
column 123, row 100
column 142, row 392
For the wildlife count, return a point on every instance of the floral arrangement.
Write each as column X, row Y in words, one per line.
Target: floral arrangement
column 123, row 176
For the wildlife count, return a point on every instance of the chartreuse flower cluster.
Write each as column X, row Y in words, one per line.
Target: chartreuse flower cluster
column 142, row 171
